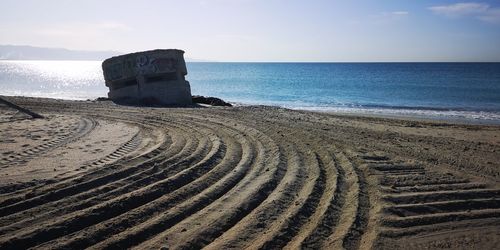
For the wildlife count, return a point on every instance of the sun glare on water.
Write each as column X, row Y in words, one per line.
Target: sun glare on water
column 54, row 79
column 64, row 73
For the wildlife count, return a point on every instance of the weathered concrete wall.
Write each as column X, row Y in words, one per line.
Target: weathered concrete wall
column 155, row 76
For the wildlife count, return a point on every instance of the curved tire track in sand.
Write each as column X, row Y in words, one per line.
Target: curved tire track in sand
column 221, row 179
column 82, row 128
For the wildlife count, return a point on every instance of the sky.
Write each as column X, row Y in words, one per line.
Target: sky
column 263, row 30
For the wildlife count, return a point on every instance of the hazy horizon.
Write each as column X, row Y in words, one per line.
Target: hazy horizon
column 103, row 54
column 264, row 31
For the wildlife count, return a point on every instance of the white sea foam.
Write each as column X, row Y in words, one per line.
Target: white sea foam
column 457, row 115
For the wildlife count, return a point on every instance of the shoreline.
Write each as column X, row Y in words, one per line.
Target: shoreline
column 396, row 113
column 423, row 118
column 390, row 113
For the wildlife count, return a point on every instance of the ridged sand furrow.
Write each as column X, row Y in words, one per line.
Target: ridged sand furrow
column 358, row 227
column 83, row 127
column 428, row 219
column 203, row 212
column 327, row 224
column 307, row 231
column 436, row 228
column 443, row 207
column 114, row 189
column 262, row 196
column 296, row 220
column 437, row 187
column 164, row 150
column 51, row 186
column 116, row 206
column 441, row 196
column 349, row 205
column 56, row 189
column 432, row 202
column 245, row 178
column 191, row 198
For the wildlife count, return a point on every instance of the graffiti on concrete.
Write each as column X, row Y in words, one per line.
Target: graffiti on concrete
column 141, row 65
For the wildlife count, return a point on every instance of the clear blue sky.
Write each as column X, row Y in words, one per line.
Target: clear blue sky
column 263, row 30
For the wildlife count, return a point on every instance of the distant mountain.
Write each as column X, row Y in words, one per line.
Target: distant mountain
column 15, row 52
column 18, row 52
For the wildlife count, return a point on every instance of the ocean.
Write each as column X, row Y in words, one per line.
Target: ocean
column 457, row 91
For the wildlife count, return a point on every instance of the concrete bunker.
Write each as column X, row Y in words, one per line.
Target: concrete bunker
column 148, row 77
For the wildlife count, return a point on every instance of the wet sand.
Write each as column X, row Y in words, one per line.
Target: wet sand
column 98, row 175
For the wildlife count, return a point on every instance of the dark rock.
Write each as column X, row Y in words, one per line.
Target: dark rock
column 214, row 101
column 101, row 99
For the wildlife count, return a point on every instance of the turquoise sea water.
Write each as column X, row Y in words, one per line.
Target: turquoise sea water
column 441, row 90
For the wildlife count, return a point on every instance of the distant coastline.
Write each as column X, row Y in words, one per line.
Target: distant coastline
column 26, row 52
column 21, row 52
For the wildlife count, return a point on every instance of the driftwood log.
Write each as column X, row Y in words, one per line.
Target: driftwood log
column 20, row 109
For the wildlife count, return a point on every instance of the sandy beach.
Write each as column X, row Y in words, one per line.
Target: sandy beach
column 103, row 176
